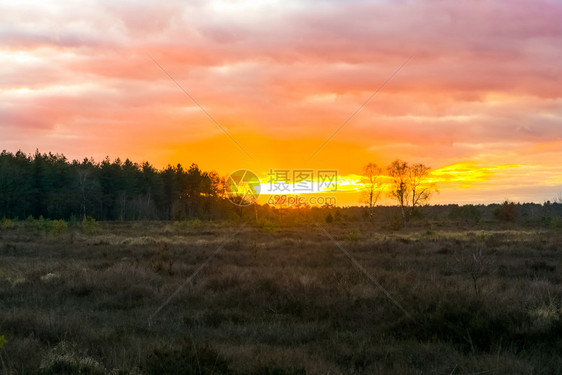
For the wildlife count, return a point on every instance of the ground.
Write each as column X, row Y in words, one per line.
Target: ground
column 437, row 298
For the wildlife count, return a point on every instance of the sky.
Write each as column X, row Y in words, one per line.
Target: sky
column 470, row 88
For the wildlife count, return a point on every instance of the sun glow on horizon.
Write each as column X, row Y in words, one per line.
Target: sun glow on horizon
column 351, row 188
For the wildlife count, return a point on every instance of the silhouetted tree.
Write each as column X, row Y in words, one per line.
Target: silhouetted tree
column 410, row 185
column 374, row 180
column 398, row 170
column 420, row 186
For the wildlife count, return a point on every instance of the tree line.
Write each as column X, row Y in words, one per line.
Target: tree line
column 51, row 186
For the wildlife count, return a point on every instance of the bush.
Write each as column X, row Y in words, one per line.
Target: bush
column 7, row 224
column 58, row 227
column 38, row 224
column 90, row 225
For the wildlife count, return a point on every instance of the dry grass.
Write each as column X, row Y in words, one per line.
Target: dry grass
column 280, row 300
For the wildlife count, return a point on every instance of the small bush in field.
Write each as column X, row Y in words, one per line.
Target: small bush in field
column 40, row 224
column 44, row 225
column 329, row 218
column 90, row 225
column 58, row 227
column 7, row 224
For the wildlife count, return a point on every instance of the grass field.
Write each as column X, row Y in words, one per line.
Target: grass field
column 280, row 299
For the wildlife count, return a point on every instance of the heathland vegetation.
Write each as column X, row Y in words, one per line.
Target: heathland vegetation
column 119, row 268
column 480, row 296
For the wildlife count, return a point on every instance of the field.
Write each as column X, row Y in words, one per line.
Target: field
column 280, row 299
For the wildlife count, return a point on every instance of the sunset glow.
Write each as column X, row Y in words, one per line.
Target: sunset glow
column 479, row 96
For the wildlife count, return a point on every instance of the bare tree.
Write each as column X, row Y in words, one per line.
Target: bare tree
column 399, row 172
column 411, row 185
column 374, row 179
column 420, row 185
column 475, row 263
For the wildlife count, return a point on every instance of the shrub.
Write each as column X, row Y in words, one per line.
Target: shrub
column 7, row 224
column 329, row 218
column 58, row 227
column 38, row 224
column 90, row 225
